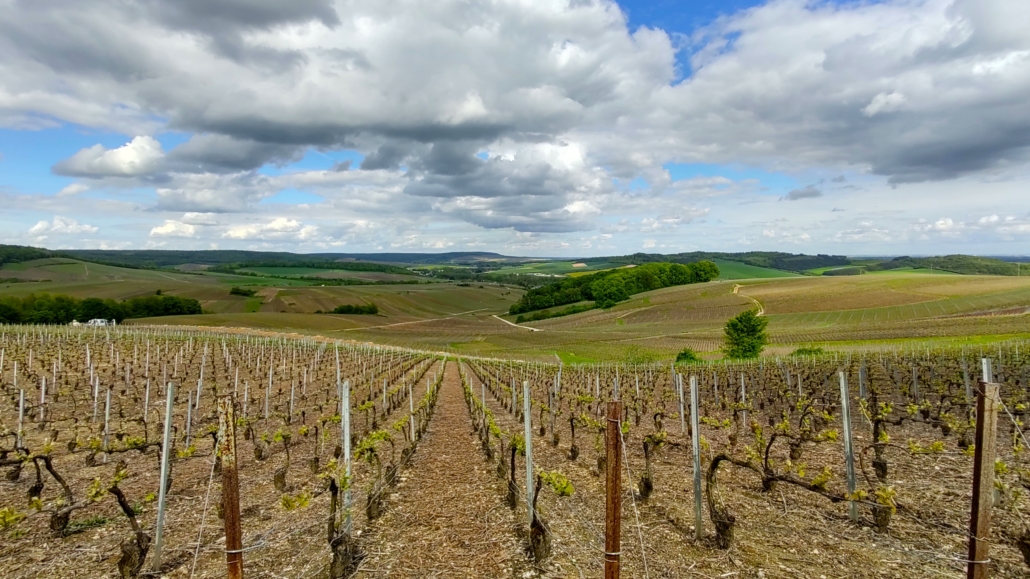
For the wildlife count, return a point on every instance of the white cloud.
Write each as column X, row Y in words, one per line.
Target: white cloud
column 279, row 228
column 884, row 102
column 73, row 189
column 171, row 228
column 61, row 225
column 138, row 157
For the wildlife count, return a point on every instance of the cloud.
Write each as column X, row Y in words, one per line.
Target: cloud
column 884, row 102
column 567, row 103
column 138, row 157
column 889, row 87
column 809, row 192
column 171, row 228
column 214, row 193
column 221, row 153
column 73, row 189
column 61, row 225
column 279, row 228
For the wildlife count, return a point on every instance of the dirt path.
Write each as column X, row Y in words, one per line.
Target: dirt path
column 758, row 304
column 447, row 518
column 518, row 326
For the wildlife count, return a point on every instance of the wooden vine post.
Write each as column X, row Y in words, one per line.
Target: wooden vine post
column 695, row 440
column 527, row 412
column 849, row 452
column 230, row 486
column 21, row 417
column 613, row 492
column 987, row 400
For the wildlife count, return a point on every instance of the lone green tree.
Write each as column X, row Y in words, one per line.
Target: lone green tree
column 745, row 335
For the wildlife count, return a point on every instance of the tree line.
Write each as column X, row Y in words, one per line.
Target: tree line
column 769, row 259
column 606, row 288
column 365, row 309
column 62, row 309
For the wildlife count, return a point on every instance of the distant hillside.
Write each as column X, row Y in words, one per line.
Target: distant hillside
column 20, row 253
column 171, row 258
column 313, row 264
column 454, row 257
column 964, row 264
column 771, row 259
column 483, row 261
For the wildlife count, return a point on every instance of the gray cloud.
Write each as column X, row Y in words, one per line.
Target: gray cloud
column 220, row 153
column 809, row 192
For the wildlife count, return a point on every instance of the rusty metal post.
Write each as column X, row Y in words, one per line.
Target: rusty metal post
column 230, row 486
column 983, row 480
column 613, row 492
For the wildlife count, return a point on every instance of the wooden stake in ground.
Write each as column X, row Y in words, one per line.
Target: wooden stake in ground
column 849, row 453
column 613, row 492
column 21, row 417
column 230, row 486
column 983, row 476
column 695, row 440
column 527, row 418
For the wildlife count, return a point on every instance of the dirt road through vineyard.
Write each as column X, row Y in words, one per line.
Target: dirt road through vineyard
column 447, row 517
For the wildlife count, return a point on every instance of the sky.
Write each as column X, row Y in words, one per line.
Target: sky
column 526, row 127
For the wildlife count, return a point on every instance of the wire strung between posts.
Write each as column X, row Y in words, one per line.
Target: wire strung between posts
column 200, row 534
column 1015, row 425
column 633, row 499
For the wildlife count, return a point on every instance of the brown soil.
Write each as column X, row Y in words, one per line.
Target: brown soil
column 446, row 518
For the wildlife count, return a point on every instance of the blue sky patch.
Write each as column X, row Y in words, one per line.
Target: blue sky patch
column 774, row 182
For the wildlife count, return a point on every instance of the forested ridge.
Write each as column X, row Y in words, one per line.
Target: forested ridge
column 607, row 288
column 771, row 259
column 964, row 264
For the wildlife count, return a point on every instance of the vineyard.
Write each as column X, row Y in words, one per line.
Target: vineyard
column 372, row 461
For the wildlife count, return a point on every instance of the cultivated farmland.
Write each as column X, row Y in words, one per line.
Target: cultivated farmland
column 439, row 448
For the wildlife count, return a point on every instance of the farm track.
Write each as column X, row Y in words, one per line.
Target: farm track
column 446, row 518
column 758, row 304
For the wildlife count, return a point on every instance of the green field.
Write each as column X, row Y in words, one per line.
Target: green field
column 557, row 268
column 727, row 269
column 372, row 276
column 843, row 312
column 737, row 270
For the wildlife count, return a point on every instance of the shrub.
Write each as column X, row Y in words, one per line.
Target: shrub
column 745, row 335
column 238, row 291
column 808, row 351
column 688, row 356
column 363, row 309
